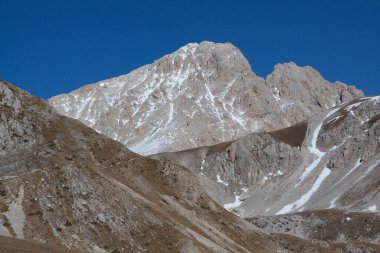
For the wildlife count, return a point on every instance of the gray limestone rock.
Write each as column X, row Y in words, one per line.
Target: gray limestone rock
column 329, row 161
column 203, row 94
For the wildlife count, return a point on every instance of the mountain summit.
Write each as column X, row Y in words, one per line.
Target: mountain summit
column 202, row 94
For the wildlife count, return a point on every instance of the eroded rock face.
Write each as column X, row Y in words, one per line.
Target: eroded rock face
column 303, row 92
column 329, row 161
column 200, row 95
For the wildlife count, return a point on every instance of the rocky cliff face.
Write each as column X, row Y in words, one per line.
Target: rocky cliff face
column 200, row 95
column 318, row 180
column 329, row 161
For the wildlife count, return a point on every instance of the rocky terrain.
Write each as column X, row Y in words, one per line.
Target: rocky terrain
column 318, row 180
column 201, row 95
column 63, row 184
column 329, row 161
column 330, row 225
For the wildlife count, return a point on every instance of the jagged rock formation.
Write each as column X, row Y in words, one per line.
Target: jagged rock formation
column 200, row 95
column 63, row 184
column 329, row 161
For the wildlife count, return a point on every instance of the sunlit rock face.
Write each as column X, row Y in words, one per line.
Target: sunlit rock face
column 330, row 161
column 202, row 94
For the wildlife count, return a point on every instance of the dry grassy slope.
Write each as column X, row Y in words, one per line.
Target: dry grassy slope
column 63, row 184
column 12, row 245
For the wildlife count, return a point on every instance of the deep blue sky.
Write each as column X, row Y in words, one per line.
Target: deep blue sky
column 50, row 47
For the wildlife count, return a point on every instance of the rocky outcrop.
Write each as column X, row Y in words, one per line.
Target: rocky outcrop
column 303, row 92
column 200, row 95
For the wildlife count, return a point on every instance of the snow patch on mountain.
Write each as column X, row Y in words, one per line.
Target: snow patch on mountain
column 219, row 180
column 235, row 204
column 16, row 215
column 297, row 205
column 314, row 151
column 372, row 208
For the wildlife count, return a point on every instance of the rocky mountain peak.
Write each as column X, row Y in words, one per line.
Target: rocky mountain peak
column 288, row 74
column 201, row 94
column 202, row 61
column 293, row 71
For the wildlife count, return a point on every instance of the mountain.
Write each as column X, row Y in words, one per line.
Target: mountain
column 200, row 95
column 237, row 163
column 329, row 161
column 318, row 179
column 63, row 184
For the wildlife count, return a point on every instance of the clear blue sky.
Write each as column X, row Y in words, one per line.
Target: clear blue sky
column 55, row 46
